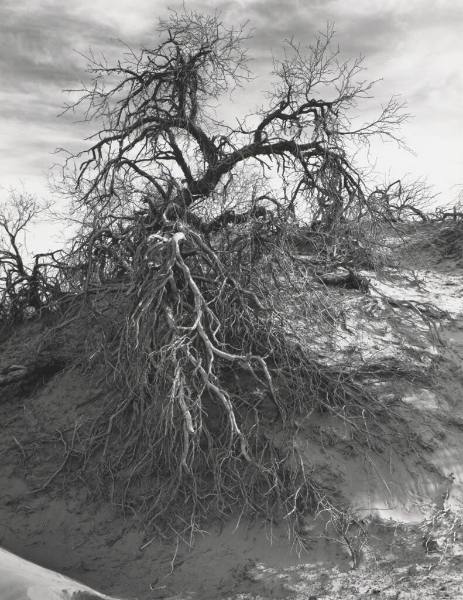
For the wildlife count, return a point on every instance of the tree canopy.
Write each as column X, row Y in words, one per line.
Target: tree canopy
column 163, row 136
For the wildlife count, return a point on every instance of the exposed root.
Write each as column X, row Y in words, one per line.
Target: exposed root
column 207, row 373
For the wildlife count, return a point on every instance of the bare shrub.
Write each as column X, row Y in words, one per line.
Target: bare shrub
column 27, row 283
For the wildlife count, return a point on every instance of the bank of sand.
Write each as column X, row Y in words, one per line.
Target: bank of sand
column 404, row 485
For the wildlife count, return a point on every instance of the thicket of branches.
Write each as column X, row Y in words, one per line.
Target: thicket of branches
column 191, row 223
column 27, row 283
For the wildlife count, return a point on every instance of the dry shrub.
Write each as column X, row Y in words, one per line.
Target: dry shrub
column 449, row 240
column 363, row 244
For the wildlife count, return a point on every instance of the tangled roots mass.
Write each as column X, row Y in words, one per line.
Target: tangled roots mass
column 210, row 385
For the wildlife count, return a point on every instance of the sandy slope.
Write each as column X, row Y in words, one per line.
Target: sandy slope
column 405, row 484
column 23, row 580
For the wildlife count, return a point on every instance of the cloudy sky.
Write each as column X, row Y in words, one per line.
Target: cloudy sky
column 416, row 46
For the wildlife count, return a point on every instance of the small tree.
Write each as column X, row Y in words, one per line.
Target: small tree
column 24, row 282
column 401, row 201
column 186, row 230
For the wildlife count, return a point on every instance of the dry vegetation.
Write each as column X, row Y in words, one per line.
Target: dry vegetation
column 189, row 259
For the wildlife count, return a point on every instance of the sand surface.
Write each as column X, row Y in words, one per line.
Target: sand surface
column 405, row 486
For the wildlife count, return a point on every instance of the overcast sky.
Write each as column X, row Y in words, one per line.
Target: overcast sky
column 416, row 46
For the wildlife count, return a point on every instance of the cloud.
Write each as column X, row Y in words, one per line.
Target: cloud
column 38, row 47
column 415, row 45
column 39, row 57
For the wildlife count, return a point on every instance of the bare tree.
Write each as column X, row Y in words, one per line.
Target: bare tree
column 185, row 232
column 401, row 200
column 161, row 138
column 25, row 281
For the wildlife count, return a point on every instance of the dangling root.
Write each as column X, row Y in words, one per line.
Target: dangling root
column 183, row 436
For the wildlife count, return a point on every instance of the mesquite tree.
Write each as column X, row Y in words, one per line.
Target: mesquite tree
column 183, row 207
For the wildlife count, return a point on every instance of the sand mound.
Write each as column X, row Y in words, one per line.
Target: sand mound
column 22, row 580
column 400, row 479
